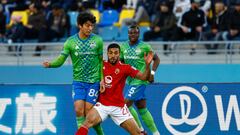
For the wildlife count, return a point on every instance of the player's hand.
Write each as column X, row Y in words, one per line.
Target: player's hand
column 46, row 64
column 148, row 58
column 151, row 78
column 102, row 87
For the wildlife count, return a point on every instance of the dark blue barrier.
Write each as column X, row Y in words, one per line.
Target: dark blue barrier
column 202, row 108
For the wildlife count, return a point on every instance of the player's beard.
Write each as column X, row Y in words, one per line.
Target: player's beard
column 113, row 61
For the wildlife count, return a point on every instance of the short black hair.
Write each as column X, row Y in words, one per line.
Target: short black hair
column 83, row 17
column 133, row 27
column 113, row 45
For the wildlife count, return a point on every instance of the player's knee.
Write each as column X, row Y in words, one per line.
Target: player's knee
column 79, row 111
column 87, row 110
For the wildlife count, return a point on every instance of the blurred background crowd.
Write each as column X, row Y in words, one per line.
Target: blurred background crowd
column 159, row 20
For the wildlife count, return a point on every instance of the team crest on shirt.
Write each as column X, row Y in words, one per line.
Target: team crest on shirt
column 117, row 71
column 93, row 44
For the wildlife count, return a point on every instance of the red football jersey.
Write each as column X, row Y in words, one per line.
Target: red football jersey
column 114, row 78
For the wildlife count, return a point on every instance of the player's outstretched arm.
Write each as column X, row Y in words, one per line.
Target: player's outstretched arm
column 55, row 63
column 156, row 62
column 145, row 75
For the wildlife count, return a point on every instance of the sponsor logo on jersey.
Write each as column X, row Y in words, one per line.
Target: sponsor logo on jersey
column 138, row 51
column 108, row 81
column 131, row 57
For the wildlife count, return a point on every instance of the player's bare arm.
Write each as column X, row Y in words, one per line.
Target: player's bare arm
column 156, row 62
column 145, row 75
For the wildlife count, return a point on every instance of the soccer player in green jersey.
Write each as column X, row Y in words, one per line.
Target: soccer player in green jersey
column 132, row 52
column 86, row 52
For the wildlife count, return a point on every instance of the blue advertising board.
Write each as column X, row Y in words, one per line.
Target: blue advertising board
column 179, row 109
column 36, row 109
column 190, row 109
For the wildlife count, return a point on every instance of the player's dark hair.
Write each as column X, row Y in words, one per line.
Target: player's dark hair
column 133, row 27
column 83, row 17
column 113, row 45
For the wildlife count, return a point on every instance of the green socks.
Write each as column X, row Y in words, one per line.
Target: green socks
column 97, row 128
column 148, row 119
column 135, row 116
column 80, row 121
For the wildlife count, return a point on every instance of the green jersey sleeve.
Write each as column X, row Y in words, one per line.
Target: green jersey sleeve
column 62, row 57
column 66, row 48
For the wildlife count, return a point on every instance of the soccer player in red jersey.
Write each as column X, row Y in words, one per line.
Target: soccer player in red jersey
column 111, row 100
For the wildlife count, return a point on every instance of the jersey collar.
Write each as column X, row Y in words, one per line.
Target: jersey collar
column 134, row 44
column 85, row 40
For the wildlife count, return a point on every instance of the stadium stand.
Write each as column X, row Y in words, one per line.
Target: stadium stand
column 96, row 13
column 108, row 33
column 22, row 14
column 125, row 13
column 123, row 34
column 73, row 22
column 108, row 18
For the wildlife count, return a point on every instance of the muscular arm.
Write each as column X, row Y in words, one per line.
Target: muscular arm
column 156, row 62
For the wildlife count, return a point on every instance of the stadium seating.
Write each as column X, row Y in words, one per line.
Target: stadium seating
column 108, row 33
column 24, row 15
column 143, row 29
column 125, row 13
column 73, row 22
column 73, row 18
column 96, row 14
column 123, row 34
column 108, row 18
column 145, row 24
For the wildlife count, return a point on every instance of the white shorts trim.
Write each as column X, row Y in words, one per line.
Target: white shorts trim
column 118, row 114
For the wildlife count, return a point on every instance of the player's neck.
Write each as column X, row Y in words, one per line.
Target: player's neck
column 82, row 36
column 133, row 42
